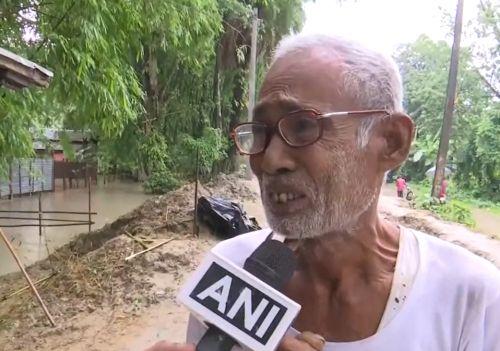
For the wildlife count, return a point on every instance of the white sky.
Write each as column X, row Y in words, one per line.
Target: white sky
column 384, row 24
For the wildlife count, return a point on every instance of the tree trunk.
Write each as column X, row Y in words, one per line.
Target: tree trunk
column 151, row 88
column 217, row 112
column 237, row 107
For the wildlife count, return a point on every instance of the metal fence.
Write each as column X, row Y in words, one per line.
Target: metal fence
column 28, row 176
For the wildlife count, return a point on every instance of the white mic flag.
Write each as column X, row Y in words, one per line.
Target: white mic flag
column 224, row 295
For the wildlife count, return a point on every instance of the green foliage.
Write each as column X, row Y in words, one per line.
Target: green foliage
column 160, row 183
column 139, row 76
column 210, row 148
column 119, row 154
column 16, row 144
column 69, row 151
column 486, row 38
column 452, row 211
column 474, row 147
column 155, row 153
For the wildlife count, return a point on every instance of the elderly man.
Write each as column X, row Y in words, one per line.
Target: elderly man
column 327, row 127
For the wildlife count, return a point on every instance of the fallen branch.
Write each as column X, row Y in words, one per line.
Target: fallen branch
column 137, row 240
column 17, row 292
column 149, row 249
column 27, row 277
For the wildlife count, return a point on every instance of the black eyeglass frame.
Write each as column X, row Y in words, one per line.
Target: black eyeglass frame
column 311, row 113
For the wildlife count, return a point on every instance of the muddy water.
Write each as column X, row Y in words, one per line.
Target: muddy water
column 487, row 222
column 109, row 201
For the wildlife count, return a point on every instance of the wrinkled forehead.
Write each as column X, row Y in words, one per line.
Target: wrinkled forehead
column 304, row 80
column 278, row 103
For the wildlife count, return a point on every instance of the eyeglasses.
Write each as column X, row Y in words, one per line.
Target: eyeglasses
column 297, row 129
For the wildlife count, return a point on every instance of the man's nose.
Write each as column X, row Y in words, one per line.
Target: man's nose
column 277, row 157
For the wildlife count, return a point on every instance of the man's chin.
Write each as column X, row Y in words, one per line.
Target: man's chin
column 309, row 226
column 293, row 228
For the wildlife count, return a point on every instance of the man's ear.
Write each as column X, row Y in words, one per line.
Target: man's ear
column 397, row 132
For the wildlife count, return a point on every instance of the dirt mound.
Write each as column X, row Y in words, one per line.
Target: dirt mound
column 101, row 279
column 91, row 272
column 172, row 212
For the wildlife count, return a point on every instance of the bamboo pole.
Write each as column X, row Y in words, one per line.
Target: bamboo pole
column 90, row 205
column 44, row 225
column 253, row 64
column 196, row 229
column 149, row 249
column 137, row 240
column 47, row 212
column 46, row 219
column 26, row 287
column 30, row 283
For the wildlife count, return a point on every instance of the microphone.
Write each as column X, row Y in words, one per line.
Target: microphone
column 273, row 263
column 243, row 306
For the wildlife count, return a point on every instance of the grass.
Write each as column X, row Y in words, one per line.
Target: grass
column 455, row 210
column 461, row 207
column 481, row 204
column 423, row 190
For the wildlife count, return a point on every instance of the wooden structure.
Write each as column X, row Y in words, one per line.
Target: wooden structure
column 70, row 171
column 17, row 72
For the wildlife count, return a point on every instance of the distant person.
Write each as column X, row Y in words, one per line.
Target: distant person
column 442, row 191
column 400, row 186
column 409, row 194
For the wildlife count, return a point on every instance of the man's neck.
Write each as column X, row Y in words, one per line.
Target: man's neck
column 371, row 247
column 348, row 274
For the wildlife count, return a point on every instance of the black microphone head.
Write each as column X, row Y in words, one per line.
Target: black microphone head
column 272, row 262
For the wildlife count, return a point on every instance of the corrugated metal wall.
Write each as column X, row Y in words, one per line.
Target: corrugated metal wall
column 27, row 176
column 14, row 177
column 4, row 188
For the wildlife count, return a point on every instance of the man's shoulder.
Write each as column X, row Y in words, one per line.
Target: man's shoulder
column 237, row 249
column 458, row 266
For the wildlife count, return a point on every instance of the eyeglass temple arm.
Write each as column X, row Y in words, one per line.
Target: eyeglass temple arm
column 349, row 113
column 335, row 114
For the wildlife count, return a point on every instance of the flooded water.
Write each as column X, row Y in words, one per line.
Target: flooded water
column 487, row 222
column 109, row 201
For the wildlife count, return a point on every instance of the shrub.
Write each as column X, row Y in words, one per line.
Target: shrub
column 160, row 183
column 451, row 211
column 212, row 147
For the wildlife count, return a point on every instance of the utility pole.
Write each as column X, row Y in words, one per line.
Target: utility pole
column 253, row 65
column 450, row 103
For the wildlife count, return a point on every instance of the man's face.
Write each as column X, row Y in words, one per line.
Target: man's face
column 322, row 187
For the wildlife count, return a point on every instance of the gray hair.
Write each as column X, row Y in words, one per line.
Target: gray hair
column 369, row 77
